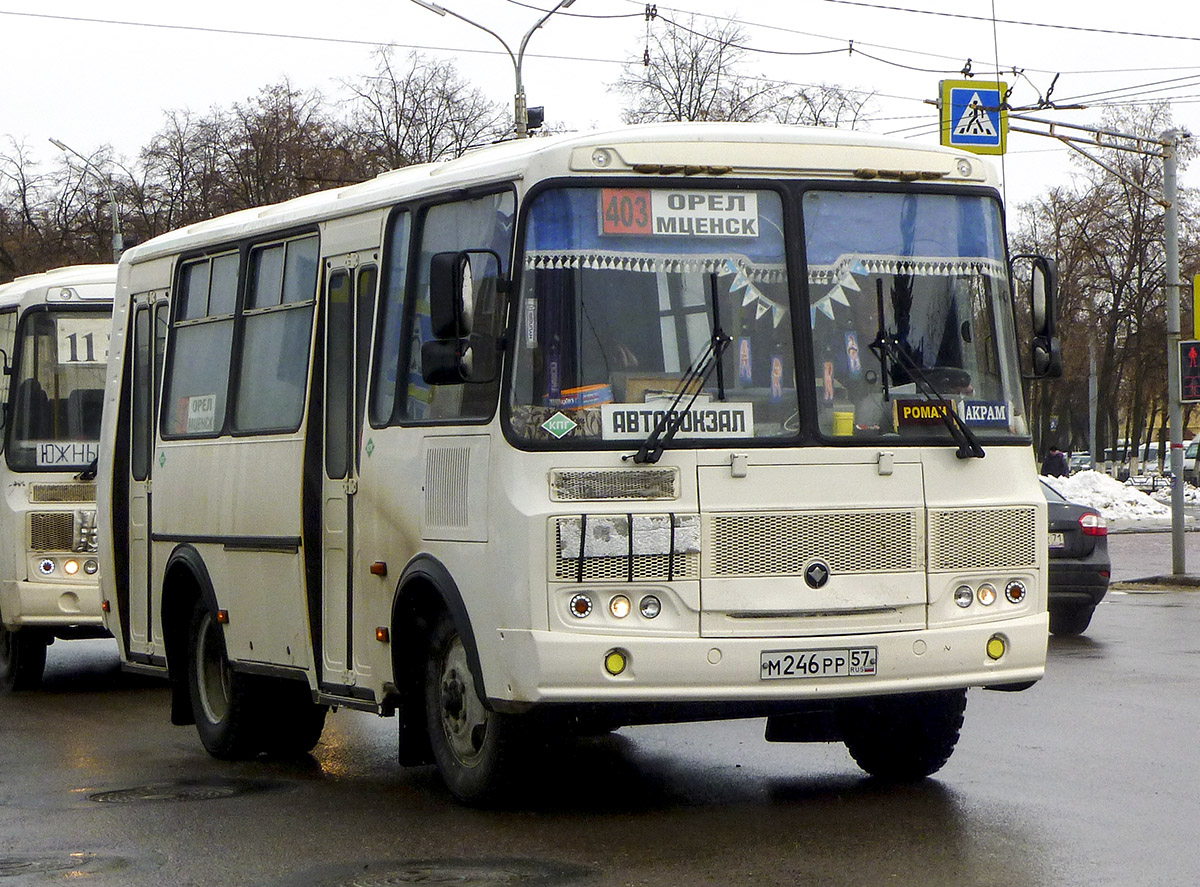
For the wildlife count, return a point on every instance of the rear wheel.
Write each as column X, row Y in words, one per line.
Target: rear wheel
column 1070, row 620
column 475, row 748
column 903, row 738
column 22, row 658
column 223, row 701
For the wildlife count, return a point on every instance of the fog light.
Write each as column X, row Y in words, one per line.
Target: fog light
column 46, row 566
column 986, row 594
column 90, row 566
column 581, row 605
column 1015, row 591
column 650, row 606
column 615, row 662
column 71, row 567
column 963, row 596
column 996, row 647
column 620, row 606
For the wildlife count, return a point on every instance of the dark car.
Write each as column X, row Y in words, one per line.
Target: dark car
column 1079, row 564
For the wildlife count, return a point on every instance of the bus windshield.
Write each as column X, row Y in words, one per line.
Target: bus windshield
column 624, row 290
column 57, row 389
column 908, row 295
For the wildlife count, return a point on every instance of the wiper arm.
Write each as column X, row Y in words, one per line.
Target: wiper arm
column 886, row 345
column 695, row 378
column 89, row 473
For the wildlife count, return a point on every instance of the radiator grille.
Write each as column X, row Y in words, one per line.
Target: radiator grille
column 74, row 493
column 52, row 531
column 975, row 539
column 572, row 485
column 645, row 567
column 783, row 544
column 447, row 471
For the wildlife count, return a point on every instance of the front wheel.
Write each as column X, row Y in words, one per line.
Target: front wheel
column 222, row 699
column 903, row 738
column 22, row 659
column 474, row 748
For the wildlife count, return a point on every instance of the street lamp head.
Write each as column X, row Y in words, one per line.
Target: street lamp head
column 56, row 143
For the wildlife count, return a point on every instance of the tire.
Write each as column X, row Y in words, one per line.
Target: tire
column 475, row 749
column 22, row 659
column 292, row 723
column 903, row 738
column 1069, row 621
column 224, row 702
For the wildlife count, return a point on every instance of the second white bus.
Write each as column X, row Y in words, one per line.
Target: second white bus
column 54, row 329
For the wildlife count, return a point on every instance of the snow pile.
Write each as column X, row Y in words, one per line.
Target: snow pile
column 1110, row 497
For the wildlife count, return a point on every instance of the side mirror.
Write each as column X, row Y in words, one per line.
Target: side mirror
column 1043, row 297
column 464, row 293
column 1043, row 307
column 451, row 295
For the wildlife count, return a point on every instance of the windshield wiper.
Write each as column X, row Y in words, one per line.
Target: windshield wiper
column 887, row 345
column 89, row 473
column 695, row 378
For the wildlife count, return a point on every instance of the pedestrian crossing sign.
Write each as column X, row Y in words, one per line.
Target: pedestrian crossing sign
column 972, row 116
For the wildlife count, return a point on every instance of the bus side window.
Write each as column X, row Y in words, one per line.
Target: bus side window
column 281, row 293
column 388, row 334
column 198, row 377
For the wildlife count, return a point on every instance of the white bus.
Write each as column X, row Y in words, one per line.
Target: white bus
column 54, row 329
column 657, row 424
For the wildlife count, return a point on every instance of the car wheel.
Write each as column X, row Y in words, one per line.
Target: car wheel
column 475, row 749
column 903, row 738
column 223, row 701
column 1069, row 621
column 22, row 658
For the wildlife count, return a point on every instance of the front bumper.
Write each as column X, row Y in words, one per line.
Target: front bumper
column 52, row 604
column 561, row 667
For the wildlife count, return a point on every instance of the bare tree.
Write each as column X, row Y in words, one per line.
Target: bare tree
column 418, row 112
column 692, row 74
column 1106, row 233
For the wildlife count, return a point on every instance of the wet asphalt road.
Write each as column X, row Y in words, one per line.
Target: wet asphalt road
column 1089, row 779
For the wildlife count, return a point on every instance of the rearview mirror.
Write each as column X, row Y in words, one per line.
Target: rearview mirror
column 1043, row 309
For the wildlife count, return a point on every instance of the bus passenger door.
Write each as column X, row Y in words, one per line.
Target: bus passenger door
column 149, row 338
column 349, row 304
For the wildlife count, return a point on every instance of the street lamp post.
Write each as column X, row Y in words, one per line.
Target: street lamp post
column 520, row 114
column 118, row 243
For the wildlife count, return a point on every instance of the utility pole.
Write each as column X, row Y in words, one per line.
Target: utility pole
column 118, row 242
column 520, row 112
column 1093, row 403
column 1170, row 141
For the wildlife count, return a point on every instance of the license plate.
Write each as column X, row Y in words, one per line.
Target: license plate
column 1057, row 540
column 838, row 663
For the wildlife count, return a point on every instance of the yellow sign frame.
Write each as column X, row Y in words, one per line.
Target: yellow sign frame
column 977, row 143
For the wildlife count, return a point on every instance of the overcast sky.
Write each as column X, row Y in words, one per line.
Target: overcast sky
column 92, row 74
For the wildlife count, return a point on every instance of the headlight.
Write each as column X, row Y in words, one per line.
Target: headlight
column 964, row 596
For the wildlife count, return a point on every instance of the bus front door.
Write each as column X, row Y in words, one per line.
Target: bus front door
column 349, row 306
column 149, row 338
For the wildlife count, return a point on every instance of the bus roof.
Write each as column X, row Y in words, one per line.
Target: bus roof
column 69, row 283
column 683, row 149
